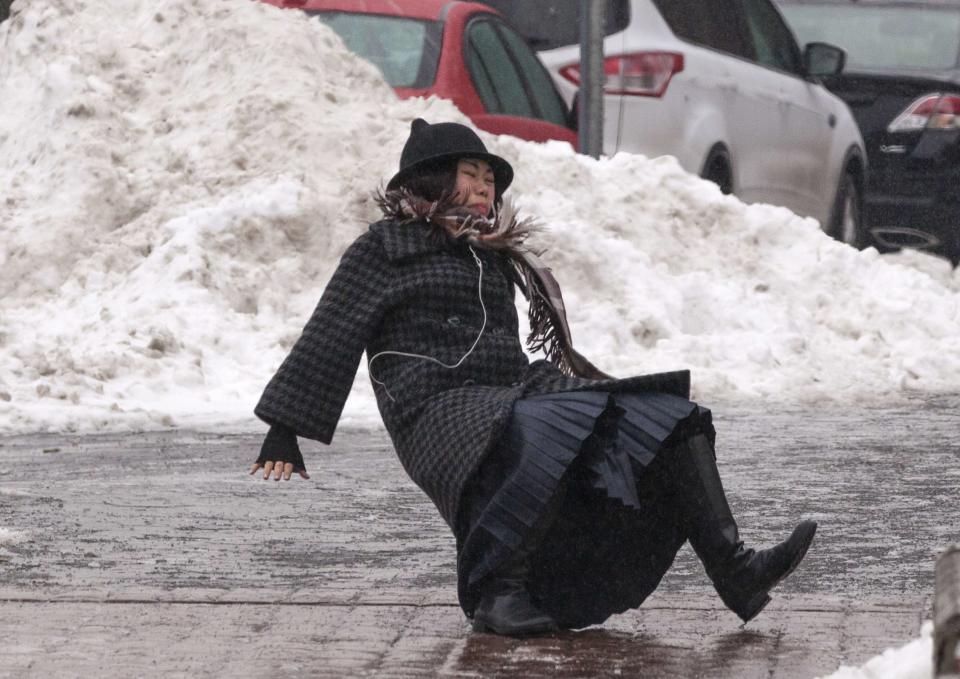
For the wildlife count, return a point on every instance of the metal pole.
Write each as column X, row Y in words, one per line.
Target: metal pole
column 946, row 615
column 590, row 98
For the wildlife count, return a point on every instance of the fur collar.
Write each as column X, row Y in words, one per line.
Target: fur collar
column 505, row 232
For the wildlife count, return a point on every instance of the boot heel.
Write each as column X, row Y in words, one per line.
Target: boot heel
column 754, row 606
column 480, row 626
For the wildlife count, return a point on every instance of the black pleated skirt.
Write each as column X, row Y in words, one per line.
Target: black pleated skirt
column 586, row 464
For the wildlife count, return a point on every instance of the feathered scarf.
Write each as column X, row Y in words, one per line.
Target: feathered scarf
column 506, row 234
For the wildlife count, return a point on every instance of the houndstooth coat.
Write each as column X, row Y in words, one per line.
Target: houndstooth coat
column 405, row 288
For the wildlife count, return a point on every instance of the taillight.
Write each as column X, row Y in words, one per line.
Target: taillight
column 929, row 112
column 644, row 74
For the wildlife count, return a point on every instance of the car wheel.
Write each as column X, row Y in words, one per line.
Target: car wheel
column 717, row 170
column 846, row 224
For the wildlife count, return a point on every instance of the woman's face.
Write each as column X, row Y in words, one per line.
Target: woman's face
column 475, row 187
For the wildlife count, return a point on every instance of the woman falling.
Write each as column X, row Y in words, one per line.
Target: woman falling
column 569, row 492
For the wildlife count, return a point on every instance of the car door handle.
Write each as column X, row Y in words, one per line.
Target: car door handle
column 832, row 120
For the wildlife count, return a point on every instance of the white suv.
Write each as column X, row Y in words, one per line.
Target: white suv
column 722, row 86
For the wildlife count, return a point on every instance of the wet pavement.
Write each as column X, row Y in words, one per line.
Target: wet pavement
column 154, row 554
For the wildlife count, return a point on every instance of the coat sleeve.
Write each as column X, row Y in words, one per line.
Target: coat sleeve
column 309, row 390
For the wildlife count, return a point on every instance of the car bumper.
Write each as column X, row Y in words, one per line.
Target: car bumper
column 895, row 222
column 914, row 201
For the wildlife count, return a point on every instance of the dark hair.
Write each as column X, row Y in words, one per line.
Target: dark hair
column 433, row 182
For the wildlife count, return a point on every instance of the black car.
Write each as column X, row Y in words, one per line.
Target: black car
column 902, row 82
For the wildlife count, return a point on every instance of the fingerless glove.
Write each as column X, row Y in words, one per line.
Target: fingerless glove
column 281, row 445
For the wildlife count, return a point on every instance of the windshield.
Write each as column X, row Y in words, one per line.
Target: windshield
column 547, row 24
column 406, row 51
column 879, row 38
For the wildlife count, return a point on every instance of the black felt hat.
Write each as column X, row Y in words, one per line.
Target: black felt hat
column 428, row 144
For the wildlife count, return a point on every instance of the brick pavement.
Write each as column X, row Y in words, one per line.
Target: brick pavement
column 155, row 555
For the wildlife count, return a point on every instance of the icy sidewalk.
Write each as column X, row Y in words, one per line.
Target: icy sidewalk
column 155, row 555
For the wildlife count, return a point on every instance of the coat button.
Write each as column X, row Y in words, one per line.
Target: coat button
column 454, row 321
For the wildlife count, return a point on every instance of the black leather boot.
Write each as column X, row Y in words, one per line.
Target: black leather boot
column 742, row 577
column 506, row 607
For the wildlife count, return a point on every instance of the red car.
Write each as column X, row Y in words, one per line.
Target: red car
column 461, row 51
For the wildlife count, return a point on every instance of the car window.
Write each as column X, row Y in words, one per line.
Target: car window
column 773, row 43
column 882, row 37
column 407, row 51
column 549, row 105
column 547, row 24
column 717, row 24
column 496, row 77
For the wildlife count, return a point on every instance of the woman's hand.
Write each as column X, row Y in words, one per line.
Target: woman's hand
column 278, row 469
column 280, row 455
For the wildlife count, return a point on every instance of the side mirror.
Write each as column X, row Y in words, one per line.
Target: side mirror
column 821, row 59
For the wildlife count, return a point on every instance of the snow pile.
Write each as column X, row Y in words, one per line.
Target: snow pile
column 181, row 178
column 660, row 269
column 911, row 661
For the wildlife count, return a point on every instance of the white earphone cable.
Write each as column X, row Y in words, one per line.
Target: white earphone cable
column 431, row 358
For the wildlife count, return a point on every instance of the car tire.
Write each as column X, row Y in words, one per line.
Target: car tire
column 846, row 222
column 716, row 169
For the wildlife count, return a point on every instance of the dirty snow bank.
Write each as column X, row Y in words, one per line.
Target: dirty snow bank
column 181, row 178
